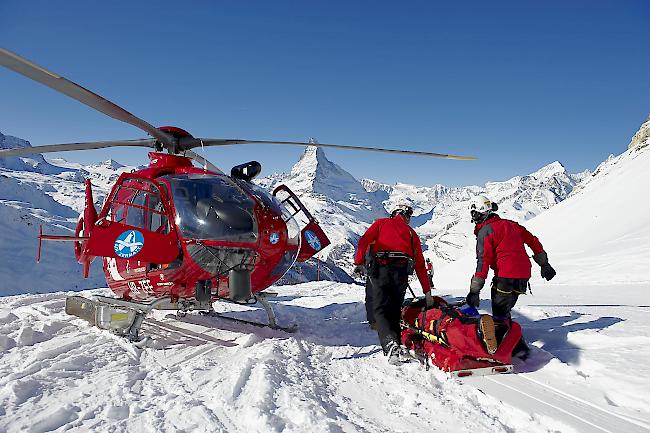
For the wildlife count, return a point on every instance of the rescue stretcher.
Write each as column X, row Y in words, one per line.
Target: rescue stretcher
column 449, row 337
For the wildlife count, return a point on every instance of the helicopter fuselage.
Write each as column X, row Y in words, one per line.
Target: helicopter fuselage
column 171, row 227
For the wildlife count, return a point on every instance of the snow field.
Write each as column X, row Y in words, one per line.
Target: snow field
column 590, row 322
column 207, row 374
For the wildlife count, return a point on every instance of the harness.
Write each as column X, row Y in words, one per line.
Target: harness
column 394, row 258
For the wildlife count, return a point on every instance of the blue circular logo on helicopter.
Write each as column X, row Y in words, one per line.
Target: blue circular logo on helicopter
column 312, row 240
column 128, row 244
column 274, row 238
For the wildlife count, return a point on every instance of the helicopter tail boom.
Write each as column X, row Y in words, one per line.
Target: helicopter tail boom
column 42, row 237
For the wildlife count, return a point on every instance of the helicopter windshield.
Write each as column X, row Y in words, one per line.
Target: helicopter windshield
column 212, row 208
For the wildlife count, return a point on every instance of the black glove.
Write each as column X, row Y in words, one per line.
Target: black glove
column 473, row 300
column 360, row 271
column 548, row 272
column 475, row 287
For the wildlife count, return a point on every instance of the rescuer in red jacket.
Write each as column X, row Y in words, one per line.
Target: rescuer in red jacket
column 500, row 246
column 396, row 251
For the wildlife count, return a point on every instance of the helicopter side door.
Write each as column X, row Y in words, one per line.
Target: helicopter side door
column 313, row 237
column 135, row 224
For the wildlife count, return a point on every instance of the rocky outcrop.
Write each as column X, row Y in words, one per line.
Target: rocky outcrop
column 642, row 136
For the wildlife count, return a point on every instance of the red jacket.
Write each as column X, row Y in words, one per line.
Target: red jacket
column 394, row 234
column 500, row 246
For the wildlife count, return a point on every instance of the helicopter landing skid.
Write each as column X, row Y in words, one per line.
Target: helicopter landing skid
column 121, row 317
column 262, row 299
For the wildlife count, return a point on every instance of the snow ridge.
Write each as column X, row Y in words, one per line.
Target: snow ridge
column 441, row 215
column 36, row 192
column 338, row 201
column 344, row 205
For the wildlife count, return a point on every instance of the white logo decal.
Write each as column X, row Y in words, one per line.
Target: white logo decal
column 312, row 240
column 128, row 244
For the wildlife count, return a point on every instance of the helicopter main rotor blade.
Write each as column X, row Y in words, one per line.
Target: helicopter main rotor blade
column 190, row 143
column 53, row 81
column 146, row 142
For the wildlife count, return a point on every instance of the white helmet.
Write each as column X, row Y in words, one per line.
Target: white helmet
column 481, row 207
column 403, row 209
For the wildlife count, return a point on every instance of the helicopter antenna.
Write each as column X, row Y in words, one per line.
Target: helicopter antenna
column 205, row 166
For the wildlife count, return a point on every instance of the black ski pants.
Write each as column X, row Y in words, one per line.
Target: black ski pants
column 388, row 285
column 505, row 292
column 370, row 307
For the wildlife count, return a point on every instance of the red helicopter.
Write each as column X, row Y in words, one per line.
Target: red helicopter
column 175, row 236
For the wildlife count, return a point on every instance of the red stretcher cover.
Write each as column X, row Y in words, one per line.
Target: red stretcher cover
column 449, row 338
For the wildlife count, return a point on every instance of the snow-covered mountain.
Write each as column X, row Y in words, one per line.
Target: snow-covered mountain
column 36, row 192
column 587, row 328
column 337, row 200
column 344, row 206
column 442, row 217
column 599, row 234
column 33, row 163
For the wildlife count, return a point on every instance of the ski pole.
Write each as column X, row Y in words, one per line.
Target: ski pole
column 412, row 292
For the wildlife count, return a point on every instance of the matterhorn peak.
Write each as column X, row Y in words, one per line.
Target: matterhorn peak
column 312, row 158
column 315, row 173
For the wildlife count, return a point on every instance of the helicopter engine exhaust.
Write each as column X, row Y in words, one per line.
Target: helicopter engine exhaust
column 239, row 284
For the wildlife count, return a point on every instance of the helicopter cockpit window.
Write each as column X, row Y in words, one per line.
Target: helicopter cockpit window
column 135, row 213
column 137, row 203
column 212, row 207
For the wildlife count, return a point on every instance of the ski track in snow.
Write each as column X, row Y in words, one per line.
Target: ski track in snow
column 206, row 374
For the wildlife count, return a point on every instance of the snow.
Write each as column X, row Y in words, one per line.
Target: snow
column 36, row 192
column 345, row 206
column 588, row 328
column 209, row 374
column 441, row 218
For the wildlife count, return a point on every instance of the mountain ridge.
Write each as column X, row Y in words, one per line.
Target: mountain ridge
column 344, row 205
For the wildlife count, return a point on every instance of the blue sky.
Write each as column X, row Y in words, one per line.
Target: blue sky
column 518, row 84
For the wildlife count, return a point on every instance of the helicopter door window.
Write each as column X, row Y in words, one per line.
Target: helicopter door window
column 117, row 209
column 156, row 215
column 135, row 212
column 137, row 203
